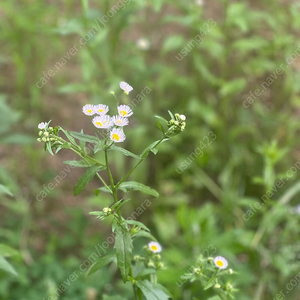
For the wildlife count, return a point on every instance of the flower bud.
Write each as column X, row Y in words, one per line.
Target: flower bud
column 217, row 286
column 183, row 117
column 230, row 271
column 157, row 257
column 39, row 140
column 40, row 133
column 197, row 271
column 210, row 259
column 150, row 264
column 44, row 139
column 50, row 128
column 46, row 134
column 160, row 265
column 106, row 211
column 137, row 258
column 176, row 123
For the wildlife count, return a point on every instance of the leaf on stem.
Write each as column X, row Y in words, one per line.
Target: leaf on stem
column 84, row 137
column 87, row 177
column 123, row 151
column 133, row 185
column 151, row 291
column 101, row 262
column 4, row 265
column 77, row 163
column 123, row 245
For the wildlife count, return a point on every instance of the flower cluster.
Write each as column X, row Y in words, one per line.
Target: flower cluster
column 152, row 259
column 46, row 133
column 115, row 123
column 176, row 124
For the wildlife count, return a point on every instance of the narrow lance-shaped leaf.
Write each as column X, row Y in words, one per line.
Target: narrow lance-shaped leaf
column 102, row 262
column 151, row 291
column 84, row 137
column 123, row 151
column 4, row 265
column 123, row 245
column 133, row 185
column 86, row 178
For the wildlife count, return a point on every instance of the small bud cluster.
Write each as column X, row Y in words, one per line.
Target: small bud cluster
column 47, row 135
column 106, row 211
column 176, row 125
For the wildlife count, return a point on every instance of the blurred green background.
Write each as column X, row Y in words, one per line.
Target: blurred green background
column 204, row 59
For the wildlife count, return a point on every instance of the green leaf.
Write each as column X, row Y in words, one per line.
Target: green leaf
column 70, row 138
column 4, row 265
column 77, row 163
column 5, row 190
column 100, row 146
column 161, row 119
column 85, row 137
column 133, row 185
column 87, row 177
column 171, row 115
column 146, row 272
column 145, row 234
column 157, row 4
column 151, row 148
column 123, row 151
column 115, row 297
column 173, row 42
column 6, row 251
column 48, row 146
column 63, row 146
column 103, row 189
column 151, row 291
column 123, row 245
column 102, row 262
column 118, row 205
column 137, row 223
column 159, row 126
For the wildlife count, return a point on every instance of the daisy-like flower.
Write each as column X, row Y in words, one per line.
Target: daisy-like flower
column 143, row 44
column 221, row 262
column 125, row 111
column 101, row 109
column 102, row 121
column 154, row 247
column 117, row 135
column 126, row 87
column 88, row 109
column 42, row 125
column 120, row 121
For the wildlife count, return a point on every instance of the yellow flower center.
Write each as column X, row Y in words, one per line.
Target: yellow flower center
column 154, row 248
column 99, row 123
column 119, row 122
column 89, row 111
column 220, row 263
column 123, row 112
column 115, row 137
column 101, row 110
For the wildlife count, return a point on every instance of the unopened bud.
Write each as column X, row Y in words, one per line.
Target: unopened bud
column 183, row 117
column 197, row 271
column 160, row 265
column 40, row 133
column 230, row 271
column 44, row 139
column 150, row 264
column 217, row 286
column 39, row 140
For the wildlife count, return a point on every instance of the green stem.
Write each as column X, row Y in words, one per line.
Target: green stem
column 141, row 160
column 113, row 188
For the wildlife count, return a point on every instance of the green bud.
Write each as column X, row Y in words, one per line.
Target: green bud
column 106, row 211
column 46, row 134
column 150, row 264
column 160, row 265
column 210, row 259
column 50, row 128
column 157, row 257
column 52, row 139
column 177, row 116
column 40, row 133
column 39, row 140
column 197, row 271
column 44, row 139
column 137, row 258
column 217, row 286
column 48, row 139
column 228, row 287
column 230, row 271
column 176, row 123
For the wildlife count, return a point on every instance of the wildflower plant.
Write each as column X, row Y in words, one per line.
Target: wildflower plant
column 211, row 273
column 139, row 270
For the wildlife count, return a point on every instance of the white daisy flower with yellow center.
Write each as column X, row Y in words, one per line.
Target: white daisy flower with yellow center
column 117, row 135
column 126, row 87
column 102, row 121
column 42, row 125
column 125, row 111
column 120, row 121
column 101, row 109
column 154, row 247
column 221, row 262
column 88, row 109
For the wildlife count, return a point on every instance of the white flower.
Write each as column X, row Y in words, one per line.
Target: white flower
column 183, row 117
column 117, row 135
column 221, row 262
column 199, row 2
column 88, row 109
column 125, row 111
column 101, row 109
column 295, row 210
column 120, row 121
column 143, row 44
column 42, row 125
column 102, row 121
column 154, row 247
column 126, row 87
